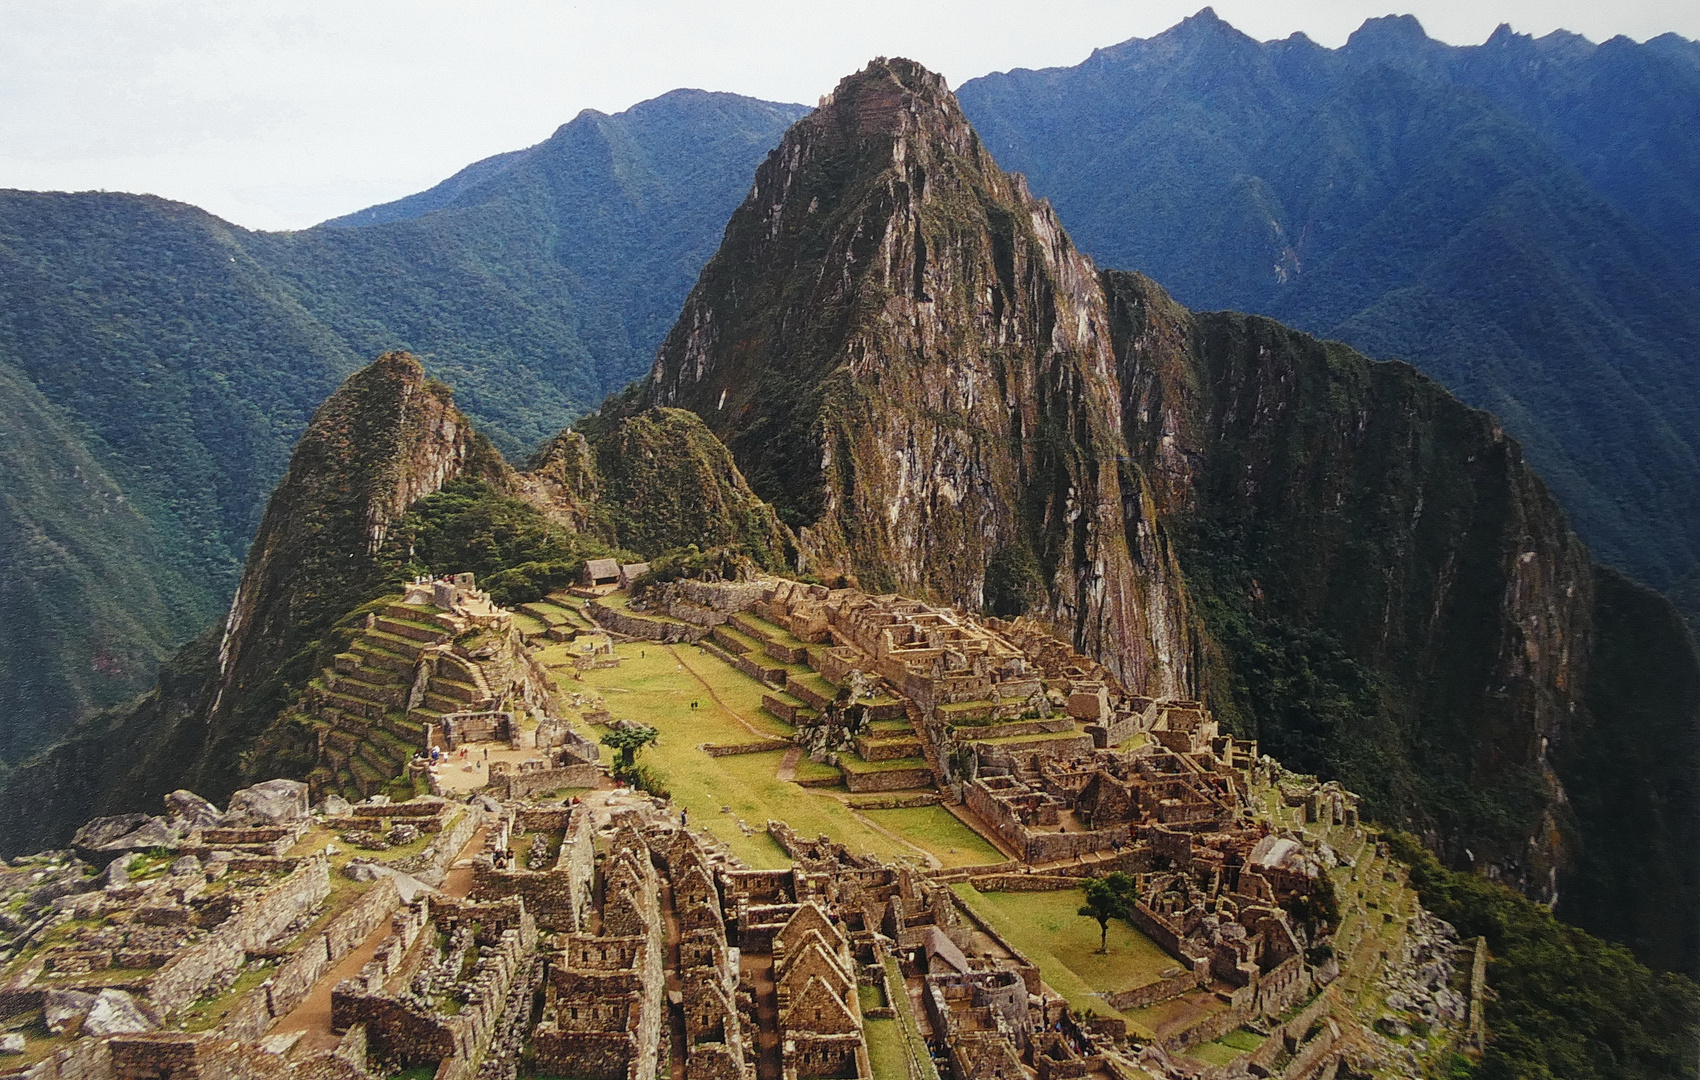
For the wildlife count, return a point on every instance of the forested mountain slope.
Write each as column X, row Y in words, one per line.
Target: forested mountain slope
column 184, row 355
column 1517, row 218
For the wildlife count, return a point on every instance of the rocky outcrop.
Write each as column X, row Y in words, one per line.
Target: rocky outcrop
column 911, row 361
column 1311, row 488
column 653, row 481
column 387, row 437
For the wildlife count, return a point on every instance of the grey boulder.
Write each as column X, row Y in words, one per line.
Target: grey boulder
column 62, row 1008
column 115, row 1012
column 270, row 803
column 198, row 812
column 101, row 831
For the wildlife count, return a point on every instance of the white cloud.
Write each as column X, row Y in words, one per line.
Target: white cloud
column 280, row 113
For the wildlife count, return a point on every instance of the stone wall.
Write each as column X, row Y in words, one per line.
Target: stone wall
column 888, row 780
column 904, row 801
column 1152, row 992
column 201, row 1056
column 217, row 959
column 633, row 625
column 1007, row 755
column 406, row 1031
column 556, row 898
column 85, row 1059
column 771, row 675
column 735, row 749
column 1115, row 731
column 533, row 782
column 1023, row 883
column 297, row 977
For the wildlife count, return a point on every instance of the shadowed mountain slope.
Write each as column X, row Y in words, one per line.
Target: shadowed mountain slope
column 1517, row 218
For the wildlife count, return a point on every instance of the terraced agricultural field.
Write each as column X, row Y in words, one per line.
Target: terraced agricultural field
column 1047, row 927
column 655, row 685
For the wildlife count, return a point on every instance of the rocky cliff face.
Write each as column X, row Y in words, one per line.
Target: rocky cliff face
column 909, row 358
column 1315, row 490
column 387, row 437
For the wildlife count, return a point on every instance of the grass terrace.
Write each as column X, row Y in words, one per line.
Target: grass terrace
column 757, row 626
column 816, row 770
column 1228, row 1049
column 1035, row 737
column 940, row 832
column 1046, row 926
column 850, row 762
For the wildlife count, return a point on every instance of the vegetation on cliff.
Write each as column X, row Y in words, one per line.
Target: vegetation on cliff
column 389, row 482
column 90, row 599
column 184, row 356
column 1563, row 1003
column 1517, row 218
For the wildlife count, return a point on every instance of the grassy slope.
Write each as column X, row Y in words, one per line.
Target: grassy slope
column 1047, row 928
column 1565, row 1003
column 91, row 603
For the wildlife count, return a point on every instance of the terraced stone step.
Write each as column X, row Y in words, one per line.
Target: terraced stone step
column 548, row 614
column 370, row 710
column 456, row 690
column 372, row 653
column 405, row 647
column 380, row 676
column 814, row 691
column 413, row 631
column 786, row 708
column 379, row 759
column 392, row 694
column 425, row 616
column 890, row 749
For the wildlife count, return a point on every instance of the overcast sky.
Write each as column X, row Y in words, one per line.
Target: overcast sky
column 281, row 114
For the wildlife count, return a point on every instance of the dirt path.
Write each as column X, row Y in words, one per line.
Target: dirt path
column 730, row 711
column 313, row 1015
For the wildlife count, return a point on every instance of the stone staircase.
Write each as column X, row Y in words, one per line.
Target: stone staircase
column 360, row 705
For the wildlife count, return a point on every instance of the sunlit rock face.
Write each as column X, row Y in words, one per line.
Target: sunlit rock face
column 910, row 359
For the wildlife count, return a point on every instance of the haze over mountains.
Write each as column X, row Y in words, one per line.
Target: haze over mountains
column 168, row 360
column 1519, row 219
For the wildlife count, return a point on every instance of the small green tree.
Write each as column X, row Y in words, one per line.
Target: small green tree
column 1107, row 898
column 627, row 742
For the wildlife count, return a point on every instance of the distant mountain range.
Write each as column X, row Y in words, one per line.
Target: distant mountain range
column 1520, row 219
column 164, row 362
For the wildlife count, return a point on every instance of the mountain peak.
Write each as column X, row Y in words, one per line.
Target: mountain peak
column 1388, row 34
column 886, row 96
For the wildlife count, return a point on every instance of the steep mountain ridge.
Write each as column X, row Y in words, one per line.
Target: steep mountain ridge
column 1312, row 490
column 1514, row 218
column 908, row 357
column 189, row 354
column 388, row 481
